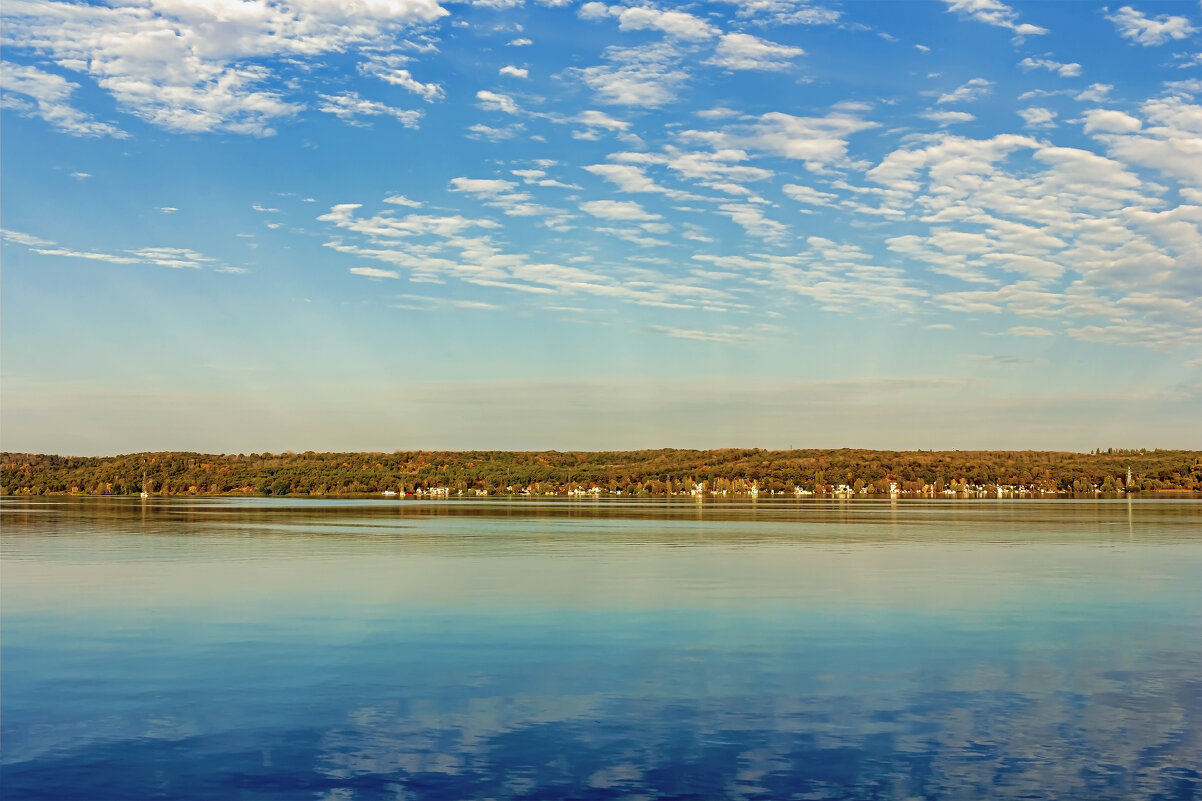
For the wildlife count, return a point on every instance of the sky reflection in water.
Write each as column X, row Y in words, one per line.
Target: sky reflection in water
column 251, row 649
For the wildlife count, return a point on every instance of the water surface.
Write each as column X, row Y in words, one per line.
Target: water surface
column 539, row 649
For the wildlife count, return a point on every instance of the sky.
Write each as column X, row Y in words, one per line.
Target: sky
column 241, row 226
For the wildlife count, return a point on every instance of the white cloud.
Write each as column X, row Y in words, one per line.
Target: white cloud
column 1171, row 143
column 81, row 176
column 401, row 200
column 994, row 12
column 1191, row 86
column 617, row 210
column 539, row 178
column 374, row 272
column 677, row 24
column 808, row 195
column 495, row 101
column 742, row 51
column 1029, row 331
column 1110, row 121
column 647, row 76
column 521, row 42
column 631, row 178
column 385, row 226
column 599, row 119
column 1096, row 93
column 492, row 133
column 974, row 89
column 50, row 95
column 194, row 67
column 427, row 303
column 786, row 12
column 1071, row 70
column 720, row 166
column 818, row 141
column 1149, row 31
column 350, row 106
column 29, row 240
column 1090, row 240
column 751, row 218
column 945, row 118
column 173, row 258
column 489, row 187
column 168, row 209
column 499, row 193
column 1036, row 117
column 725, row 337
column 514, row 72
column 404, row 79
column 836, row 277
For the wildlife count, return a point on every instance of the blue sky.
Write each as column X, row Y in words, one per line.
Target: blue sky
column 388, row 224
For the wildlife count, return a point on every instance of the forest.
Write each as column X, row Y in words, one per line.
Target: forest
column 643, row 472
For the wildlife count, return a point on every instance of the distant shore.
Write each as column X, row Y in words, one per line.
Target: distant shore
column 726, row 472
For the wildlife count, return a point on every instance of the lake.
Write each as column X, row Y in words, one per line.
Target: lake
column 601, row 649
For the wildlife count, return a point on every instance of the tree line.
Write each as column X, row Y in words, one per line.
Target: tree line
column 643, row 472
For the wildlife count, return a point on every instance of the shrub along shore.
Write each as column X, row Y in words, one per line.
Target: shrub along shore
column 727, row 471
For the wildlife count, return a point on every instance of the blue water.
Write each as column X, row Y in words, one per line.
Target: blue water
column 274, row 649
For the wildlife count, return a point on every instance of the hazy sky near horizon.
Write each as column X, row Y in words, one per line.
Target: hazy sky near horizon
column 239, row 225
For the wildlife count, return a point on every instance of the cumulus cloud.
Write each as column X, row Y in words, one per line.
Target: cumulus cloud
column 994, row 12
column 493, row 133
column 808, row 195
column 742, row 51
column 481, row 186
column 676, row 24
column 945, row 118
column 203, row 67
column 404, row 79
column 514, row 72
column 1170, row 142
column 36, row 93
column 751, row 218
column 722, row 166
column 974, row 89
column 495, row 101
column 1096, row 93
column 499, row 193
column 349, row 107
column 632, row 178
column 617, row 210
column 1101, row 120
column 1149, row 31
column 1089, row 240
column 786, row 12
column 1071, row 70
column 599, row 119
column 1036, row 117
column 818, row 141
column 648, row 76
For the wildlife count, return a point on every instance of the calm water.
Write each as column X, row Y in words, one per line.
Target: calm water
column 259, row 649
